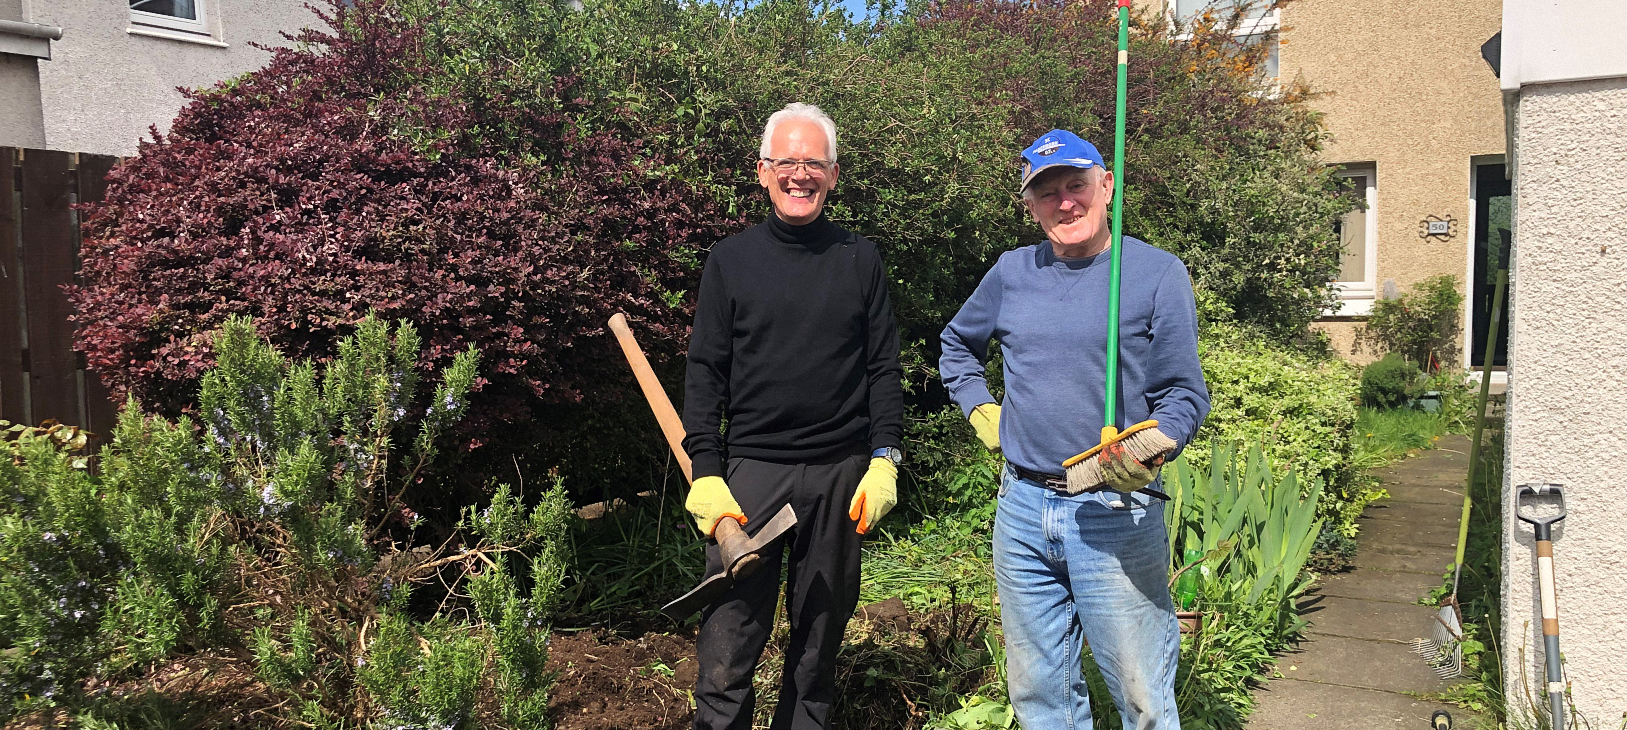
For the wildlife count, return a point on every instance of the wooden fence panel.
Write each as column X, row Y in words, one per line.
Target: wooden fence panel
column 50, row 262
column 100, row 410
column 41, row 376
column 11, row 294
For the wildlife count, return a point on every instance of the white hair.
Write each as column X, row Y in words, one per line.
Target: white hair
column 799, row 110
column 1093, row 175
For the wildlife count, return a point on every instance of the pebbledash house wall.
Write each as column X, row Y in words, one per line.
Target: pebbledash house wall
column 1565, row 69
column 1403, row 90
column 110, row 79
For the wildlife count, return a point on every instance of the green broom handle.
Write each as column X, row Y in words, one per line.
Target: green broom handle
column 1109, row 413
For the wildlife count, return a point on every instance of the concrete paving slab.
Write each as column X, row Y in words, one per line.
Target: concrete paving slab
column 1411, row 548
column 1420, row 531
column 1288, row 704
column 1361, row 663
column 1374, row 556
column 1379, row 585
column 1363, row 619
column 1427, row 494
column 1414, row 512
column 1357, row 661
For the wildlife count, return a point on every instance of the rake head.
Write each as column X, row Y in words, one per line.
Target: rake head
column 1444, row 649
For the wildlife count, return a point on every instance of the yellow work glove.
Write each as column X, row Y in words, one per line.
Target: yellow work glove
column 877, row 493
column 1126, row 474
column 986, row 421
column 709, row 501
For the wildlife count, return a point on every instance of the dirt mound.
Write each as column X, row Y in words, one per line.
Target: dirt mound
column 606, row 682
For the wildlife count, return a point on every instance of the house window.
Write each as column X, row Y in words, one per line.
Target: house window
column 1260, row 23
column 183, row 15
column 1358, row 236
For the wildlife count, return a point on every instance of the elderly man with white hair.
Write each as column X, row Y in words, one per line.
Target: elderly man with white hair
column 794, row 343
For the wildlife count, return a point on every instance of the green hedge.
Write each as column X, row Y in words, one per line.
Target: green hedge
column 1300, row 404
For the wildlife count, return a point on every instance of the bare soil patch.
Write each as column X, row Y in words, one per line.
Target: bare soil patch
column 608, row 682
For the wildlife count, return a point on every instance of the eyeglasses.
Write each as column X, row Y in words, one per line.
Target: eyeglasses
column 786, row 165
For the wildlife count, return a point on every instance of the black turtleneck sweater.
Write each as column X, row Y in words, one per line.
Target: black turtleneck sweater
column 794, row 343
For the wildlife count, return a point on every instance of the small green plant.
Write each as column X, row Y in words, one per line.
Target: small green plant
column 276, row 537
column 1254, row 529
column 1332, row 553
column 1389, row 382
column 1421, row 325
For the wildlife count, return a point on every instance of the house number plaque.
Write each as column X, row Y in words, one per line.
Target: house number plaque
column 1437, row 227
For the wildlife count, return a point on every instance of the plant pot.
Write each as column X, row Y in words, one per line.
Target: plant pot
column 1191, row 621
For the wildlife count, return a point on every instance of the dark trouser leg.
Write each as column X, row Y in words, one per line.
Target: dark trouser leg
column 734, row 630
column 822, row 589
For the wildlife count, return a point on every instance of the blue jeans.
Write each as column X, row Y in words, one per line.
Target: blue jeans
column 1091, row 567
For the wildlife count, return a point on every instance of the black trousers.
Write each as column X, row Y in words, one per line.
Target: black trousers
column 822, row 589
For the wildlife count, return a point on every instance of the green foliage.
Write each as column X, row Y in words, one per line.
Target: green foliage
column 1332, row 553
column 102, row 574
column 1421, row 325
column 1390, row 381
column 953, row 477
column 1385, row 435
column 1255, row 531
column 278, row 532
column 1299, row 406
column 931, row 101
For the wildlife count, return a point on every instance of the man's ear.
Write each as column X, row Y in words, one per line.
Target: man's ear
column 765, row 176
column 835, row 172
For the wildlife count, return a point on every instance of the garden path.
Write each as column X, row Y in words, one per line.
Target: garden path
column 1356, row 670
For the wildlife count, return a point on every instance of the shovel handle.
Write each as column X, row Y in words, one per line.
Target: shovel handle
column 1543, row 525
column 665, row 414
column 1547, row 591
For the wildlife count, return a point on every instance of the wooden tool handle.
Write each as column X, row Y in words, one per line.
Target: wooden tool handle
column 665, row 414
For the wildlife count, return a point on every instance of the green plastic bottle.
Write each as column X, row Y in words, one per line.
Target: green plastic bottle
column 1186, row 586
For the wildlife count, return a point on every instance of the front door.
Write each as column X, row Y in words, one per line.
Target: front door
column 1492, row 208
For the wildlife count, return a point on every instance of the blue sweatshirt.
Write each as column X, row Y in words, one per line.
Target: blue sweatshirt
column 1050, row 316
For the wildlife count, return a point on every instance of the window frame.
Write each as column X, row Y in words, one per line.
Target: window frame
column 170, row 22
column 1356, row 297
column 1269, row 24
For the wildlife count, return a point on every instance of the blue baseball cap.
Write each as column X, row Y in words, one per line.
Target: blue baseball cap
column 1054, row 148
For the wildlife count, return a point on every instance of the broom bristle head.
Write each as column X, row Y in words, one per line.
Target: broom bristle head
column 1143, row 446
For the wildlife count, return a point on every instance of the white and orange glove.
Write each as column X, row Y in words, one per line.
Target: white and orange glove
column 876, row 496
column 710, row 501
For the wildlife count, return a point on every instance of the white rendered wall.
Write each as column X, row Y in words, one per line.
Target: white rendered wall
column 104, row 87
column 21, row 123
column 1567, row 408
column 1548, row 41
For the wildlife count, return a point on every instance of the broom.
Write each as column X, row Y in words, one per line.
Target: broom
column 1143, row 441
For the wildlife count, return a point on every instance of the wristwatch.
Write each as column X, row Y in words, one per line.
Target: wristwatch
column 890, row 453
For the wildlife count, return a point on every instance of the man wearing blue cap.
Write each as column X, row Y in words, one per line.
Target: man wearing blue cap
column 1093, row 566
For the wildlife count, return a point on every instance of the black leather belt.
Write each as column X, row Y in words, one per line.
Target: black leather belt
column 1059, row 483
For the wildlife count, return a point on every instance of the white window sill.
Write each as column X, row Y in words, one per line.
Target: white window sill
column 1352, row 305
column 175, row 35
